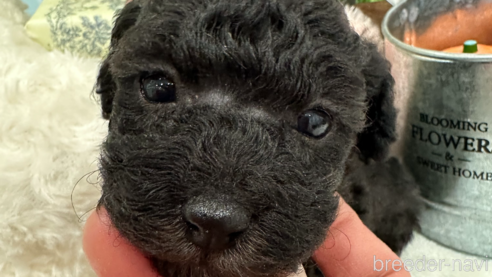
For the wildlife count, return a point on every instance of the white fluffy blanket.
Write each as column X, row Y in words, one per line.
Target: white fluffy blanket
column 50, row 132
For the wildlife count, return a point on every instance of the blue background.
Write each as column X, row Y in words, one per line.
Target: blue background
column 33, row 5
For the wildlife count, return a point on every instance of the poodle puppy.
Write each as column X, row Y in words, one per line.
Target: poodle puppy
column 232, row 125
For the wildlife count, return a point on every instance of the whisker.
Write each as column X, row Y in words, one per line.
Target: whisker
column 84, row 214
column 87, row 176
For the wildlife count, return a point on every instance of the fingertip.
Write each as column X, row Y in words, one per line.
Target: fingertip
column 108, row 253
column 350, row 248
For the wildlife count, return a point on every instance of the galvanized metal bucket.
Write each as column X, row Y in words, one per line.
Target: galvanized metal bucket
column 444, row 126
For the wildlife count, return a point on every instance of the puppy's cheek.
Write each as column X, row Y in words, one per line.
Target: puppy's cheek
column 303, row 221
column 145, row 231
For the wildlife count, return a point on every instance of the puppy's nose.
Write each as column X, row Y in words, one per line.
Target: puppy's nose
column 214, row 224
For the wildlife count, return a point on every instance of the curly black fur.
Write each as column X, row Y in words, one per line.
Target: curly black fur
column 244, row 71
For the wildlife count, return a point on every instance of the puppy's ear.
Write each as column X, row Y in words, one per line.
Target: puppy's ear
column 374, row 141
column 106, row 86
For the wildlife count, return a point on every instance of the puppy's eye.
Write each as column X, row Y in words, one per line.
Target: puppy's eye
column 314, row 123
column 158, row 89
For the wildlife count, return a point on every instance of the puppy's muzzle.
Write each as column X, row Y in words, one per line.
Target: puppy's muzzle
column 214, row 222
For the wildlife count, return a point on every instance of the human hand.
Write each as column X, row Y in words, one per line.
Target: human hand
column 109, row 254
column 349, row 250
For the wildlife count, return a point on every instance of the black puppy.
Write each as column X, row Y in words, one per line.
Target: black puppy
column 232, row 125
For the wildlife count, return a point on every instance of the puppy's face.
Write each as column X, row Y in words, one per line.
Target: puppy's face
column 230, row 124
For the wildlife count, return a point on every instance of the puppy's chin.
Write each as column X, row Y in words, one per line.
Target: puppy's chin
column 226, row 263
column 214, row 268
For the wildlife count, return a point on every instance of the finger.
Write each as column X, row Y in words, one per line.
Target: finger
column 109, row 254
column 351, row 249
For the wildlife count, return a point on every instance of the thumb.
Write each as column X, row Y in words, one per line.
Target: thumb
column 109, row 254
column 351, row 249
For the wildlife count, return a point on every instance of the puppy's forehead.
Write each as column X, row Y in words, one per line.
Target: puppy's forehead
column 263, row 50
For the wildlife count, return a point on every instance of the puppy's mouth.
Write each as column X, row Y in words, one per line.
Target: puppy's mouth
column 210, row 264
column 166, row 268
column 209, row 237
column 220, row 235
column 224, row 249
column 221, row 264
